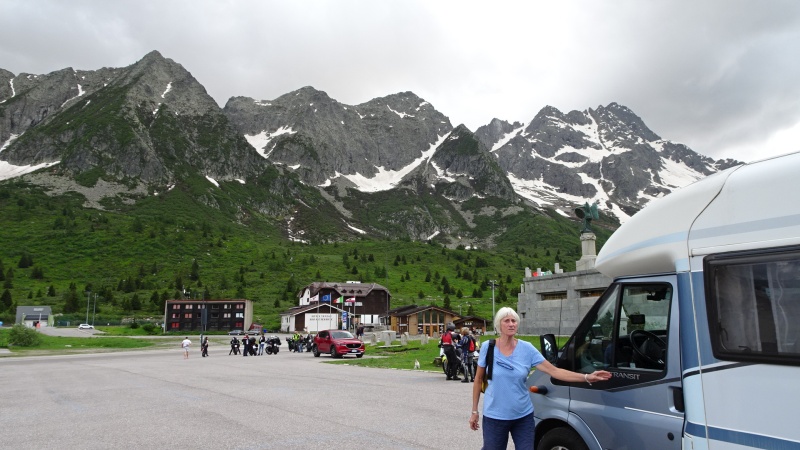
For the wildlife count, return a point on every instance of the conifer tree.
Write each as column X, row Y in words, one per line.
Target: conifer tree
column 5, row 300
column 136, row 303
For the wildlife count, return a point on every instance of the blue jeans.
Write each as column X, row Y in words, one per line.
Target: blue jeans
column 495, row 433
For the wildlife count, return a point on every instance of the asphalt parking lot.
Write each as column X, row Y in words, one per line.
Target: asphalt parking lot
column 155, row 398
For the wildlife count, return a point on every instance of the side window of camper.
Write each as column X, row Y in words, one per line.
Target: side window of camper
column 753, row 302
column 627, row 331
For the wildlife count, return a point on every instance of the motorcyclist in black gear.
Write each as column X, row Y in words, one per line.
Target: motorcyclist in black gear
column 234, row 346
column 448, row 345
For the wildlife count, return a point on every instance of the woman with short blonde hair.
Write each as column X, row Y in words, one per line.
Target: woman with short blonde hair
column 507, row 407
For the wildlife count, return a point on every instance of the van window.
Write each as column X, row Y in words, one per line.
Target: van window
column 754, row 305
column 628, row 330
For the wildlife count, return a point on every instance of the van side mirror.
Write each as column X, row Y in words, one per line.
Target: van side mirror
column 549, row 347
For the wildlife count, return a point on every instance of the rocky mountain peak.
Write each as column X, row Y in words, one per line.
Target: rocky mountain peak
column 156, row 80
column 153, row 122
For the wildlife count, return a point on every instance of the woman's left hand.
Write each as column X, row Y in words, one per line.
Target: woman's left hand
column 598, row 375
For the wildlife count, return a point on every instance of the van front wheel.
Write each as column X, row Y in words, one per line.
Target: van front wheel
column 561, row 439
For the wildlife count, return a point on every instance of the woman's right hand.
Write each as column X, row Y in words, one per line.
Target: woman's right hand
column 473, row 421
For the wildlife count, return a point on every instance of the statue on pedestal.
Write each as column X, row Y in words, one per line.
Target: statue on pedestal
column 587, row 213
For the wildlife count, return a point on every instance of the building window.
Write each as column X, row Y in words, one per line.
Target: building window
column 553, row 296
column 188, row 307
column 240, row 315
column 214, row 315
column 187, row 316
column 226, row 315
column 175, row 325
column 591, row 293
column 176, row 315
column 240, row 306
column 176, row 306
column 226, row 306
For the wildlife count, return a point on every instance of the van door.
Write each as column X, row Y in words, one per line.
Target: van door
column 633, row 333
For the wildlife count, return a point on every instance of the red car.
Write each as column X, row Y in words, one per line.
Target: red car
column 338, row 343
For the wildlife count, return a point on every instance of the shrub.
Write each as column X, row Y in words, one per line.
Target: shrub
column 23, row 336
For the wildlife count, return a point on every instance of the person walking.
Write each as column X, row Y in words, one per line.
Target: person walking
column 204, row 347
column 262, row 342
column 185, row 344
column 507, row 407
column 467, row 344
column 245, row 346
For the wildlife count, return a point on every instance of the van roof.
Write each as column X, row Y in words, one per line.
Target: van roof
column 737, row 209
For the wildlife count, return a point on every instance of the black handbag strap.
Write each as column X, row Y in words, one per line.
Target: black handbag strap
column 490, row 360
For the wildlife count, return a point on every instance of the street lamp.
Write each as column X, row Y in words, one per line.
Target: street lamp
column 493, row 283
column 88, row 295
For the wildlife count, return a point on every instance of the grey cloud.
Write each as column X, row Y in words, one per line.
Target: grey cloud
column 719, row 76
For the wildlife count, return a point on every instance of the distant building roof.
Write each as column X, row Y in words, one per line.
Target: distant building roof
column 295, row 310
column 29, row 312
column 413, row 309
column 351, row 289
column 197, row 300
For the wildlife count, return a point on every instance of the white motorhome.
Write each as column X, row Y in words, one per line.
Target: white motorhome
column 700, row 328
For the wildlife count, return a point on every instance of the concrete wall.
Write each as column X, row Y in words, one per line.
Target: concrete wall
column 559, row 317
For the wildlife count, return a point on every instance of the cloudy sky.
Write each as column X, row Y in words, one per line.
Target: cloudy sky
column 721, row 76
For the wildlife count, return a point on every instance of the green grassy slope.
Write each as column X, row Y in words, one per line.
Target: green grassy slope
column 53, row 250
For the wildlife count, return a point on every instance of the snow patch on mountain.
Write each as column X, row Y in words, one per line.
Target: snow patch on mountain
column 504, row 139
column 677, row 174
column 80, row 93
column 387, row 179
column 8, row 170
column 169, row 88
column 401, row 114
column 261, row 140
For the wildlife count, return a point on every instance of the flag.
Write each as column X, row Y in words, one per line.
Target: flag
column 350, row 300
column 338, row 300
column 314, row 299
column 326, row 298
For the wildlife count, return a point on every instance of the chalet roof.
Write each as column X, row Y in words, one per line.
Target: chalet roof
column 306, row 308
column 474, row 318
column 414, row 309
column 344, row 288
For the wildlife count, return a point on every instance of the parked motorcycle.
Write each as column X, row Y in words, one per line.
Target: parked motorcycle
column 309, row 342
column 273, row 345
column 476, row 356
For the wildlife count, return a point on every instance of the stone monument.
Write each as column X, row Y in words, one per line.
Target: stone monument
column 588, row 239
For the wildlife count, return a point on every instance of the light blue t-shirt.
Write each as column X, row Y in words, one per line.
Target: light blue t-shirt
column 507, row 397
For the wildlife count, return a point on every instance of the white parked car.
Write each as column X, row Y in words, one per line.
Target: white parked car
column 85, row 326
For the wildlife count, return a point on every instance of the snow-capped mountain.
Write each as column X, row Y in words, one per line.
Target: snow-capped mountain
column 393, row 166
column 606, row 155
